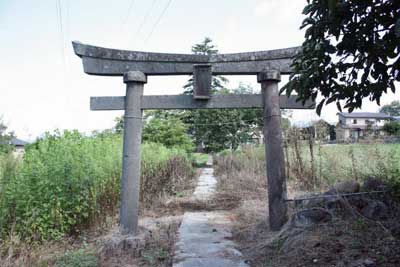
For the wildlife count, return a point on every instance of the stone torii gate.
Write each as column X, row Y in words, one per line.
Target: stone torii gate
column 136, row 66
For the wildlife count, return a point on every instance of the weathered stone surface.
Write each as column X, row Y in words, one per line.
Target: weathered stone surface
column 135, row 76
column 373, row 184
column 208, row 262
column 85, row 50
column 309, row 217
column 111, row 62
column 376, row 210
column 130, row 179
column 293, row 232
column 187, row 102
column 202, row 78
column 369, row 263
column 116, row 244
column 345, row 187
column 204, row 238
column 277, row 206
column 206, row 185
column 272, row 75
column 100, row 52
column 363, row 263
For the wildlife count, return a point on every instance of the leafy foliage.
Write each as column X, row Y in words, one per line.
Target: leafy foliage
column 168, row 131
column 392, row 127
column 393, row 109
column 215, row 130
column 351, row 51
column 79, row 258
column 61, row 184
column 68, row 181
column 119, row 125
column 323, row 130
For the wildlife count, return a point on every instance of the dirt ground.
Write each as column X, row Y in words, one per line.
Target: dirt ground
column 345, row 241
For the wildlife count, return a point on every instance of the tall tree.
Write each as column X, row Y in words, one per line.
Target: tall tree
column 393, row 109
column 215, row 130
column 169, row 131
column 206, row 48
column 351, row 52
column 392, row 127
column 218, row 129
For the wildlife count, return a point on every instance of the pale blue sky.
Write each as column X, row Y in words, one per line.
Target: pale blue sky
column 43, row 87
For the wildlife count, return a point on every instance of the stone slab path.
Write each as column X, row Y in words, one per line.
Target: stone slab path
column 204, row 237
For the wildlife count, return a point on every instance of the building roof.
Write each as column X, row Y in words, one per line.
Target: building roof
column 397, row 118
column 18, row 142
column 374, row 115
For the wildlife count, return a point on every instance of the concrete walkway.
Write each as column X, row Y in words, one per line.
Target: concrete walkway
column 204, row 237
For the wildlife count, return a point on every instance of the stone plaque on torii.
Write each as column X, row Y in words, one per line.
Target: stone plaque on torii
column 136, row 66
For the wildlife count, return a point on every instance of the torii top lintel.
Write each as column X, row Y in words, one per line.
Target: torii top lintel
column 115, row 62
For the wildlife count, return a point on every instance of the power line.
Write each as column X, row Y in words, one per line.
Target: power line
column 221, row 123
column 158, row 21
column 144, row 19
column 248, row 122
column 125, row 22
column 60, row 24
column 67, row 21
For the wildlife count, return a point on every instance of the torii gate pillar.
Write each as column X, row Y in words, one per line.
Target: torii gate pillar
column 130, row 182
column 273, row 148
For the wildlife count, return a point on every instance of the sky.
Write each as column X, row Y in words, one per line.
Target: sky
column 42, row 83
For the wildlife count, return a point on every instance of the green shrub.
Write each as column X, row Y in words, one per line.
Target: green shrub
column 8, row 169
column 68, row 181
column 170, row 132
column 392, row 127
column 61, row 183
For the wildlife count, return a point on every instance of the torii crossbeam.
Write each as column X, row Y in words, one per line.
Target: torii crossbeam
column 136, row 66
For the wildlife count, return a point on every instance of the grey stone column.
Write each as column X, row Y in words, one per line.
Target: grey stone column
column 130, row 181
column 274, row 149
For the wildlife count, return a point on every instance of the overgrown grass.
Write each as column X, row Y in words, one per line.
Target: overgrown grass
column 164, row 172
column 334, row 163
column 330, row 164
column 79, row 258
column 242, row 172
column 68, row 182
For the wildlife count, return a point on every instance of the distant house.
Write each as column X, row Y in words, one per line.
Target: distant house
column 257, row 137
column 396, row 118
column 19, row 145
column 359, row 125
